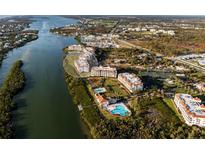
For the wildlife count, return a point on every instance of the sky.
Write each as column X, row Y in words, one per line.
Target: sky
column 102, row 7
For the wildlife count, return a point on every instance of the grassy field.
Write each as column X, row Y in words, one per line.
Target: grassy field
column 159, row 107
column 114, row 88
column 112, row 85
column 165, row 110
column 171, row 105
column 79, row 91
column 68, row 65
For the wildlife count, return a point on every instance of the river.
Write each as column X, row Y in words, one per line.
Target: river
column 45, row 108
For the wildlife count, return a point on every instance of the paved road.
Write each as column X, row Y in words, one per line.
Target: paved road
column 130, row 44
column 139, row 47
column 113, row 30
column 190, row 64
column 201, row 68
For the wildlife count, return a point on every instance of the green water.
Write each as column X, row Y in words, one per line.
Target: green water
column 45, row 108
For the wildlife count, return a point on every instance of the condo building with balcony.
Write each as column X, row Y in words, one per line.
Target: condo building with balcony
column 85, row 61
column 192, row 109
column 131, row 82
column 104, row 71
column 75, row 47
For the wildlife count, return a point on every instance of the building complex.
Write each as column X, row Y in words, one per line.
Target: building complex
column 85, row 61
column 103, row 41
column 192, row 109
column 117, row 108
column 104, row 71
column 131, row 82
column 75, row 47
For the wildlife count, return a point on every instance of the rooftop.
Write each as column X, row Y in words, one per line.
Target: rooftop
column 194, row 105
column 104, row 68
column 131, row 77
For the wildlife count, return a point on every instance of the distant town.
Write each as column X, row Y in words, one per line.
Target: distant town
column 15, row 33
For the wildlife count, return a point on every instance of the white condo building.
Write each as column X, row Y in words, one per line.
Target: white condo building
column 104, row 71
column 131, row 82
column 82, row 66
column 192, row 110
column 75, row 47
column 85, row 61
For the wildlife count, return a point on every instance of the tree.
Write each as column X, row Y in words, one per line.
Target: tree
column 11, row 86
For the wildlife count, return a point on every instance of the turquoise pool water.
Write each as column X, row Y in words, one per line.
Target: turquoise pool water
column 100, row 90
column 119, row 109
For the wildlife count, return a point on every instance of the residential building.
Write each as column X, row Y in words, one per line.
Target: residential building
column 118, row 109
column 131, row 82
column 104, row 71
column 85, row 61
column 102, row 41
column 75, row 47
column 101, row 100
column 192, row 110
column 82, row 66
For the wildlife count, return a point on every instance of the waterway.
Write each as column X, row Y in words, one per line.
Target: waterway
column 45, row 108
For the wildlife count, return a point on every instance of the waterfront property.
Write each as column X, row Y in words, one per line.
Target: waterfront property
column 114, row 89
column 192, row 109
column 99, row 90
column 82, row 66
column 75, row 47
column 101, row 100
column 85, row 61
column 114, row 107
column 40, row 123
column 104, row 71
column 119, row 109
column 131, row 82
column 80, row 48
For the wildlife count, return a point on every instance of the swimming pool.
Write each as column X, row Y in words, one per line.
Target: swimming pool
column 121, row 110
column 100, row 90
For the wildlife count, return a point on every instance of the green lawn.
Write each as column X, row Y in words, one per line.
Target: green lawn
column 80, row 94
column 171, row 105
column 166, row 113
column 69, row 67
column 115, row 88
column 112, row 85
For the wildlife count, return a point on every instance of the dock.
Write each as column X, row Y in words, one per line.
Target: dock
column 80, row 108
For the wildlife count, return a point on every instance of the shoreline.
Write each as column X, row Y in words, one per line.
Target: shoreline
column 16, row 38
column 7, row 51
column 12, row 85
column 90, row 116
